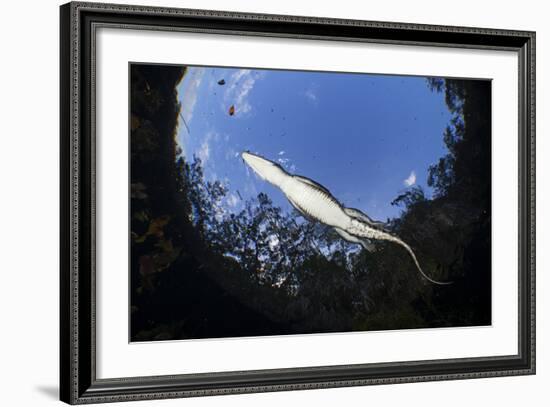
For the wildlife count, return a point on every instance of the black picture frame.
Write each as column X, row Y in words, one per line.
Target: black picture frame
column 78, row 382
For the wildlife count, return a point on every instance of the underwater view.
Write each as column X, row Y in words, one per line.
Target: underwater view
column 274, row 202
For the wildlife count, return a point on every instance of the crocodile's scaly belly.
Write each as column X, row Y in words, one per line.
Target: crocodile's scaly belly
column 316, row 204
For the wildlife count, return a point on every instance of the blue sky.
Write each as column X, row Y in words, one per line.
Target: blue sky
column 367, row 138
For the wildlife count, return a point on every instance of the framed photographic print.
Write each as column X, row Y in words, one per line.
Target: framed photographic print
column 258, row 203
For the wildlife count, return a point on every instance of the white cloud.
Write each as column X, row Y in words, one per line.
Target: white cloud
column 239, row 86
column 204, row 152
column 190, row 89
column 273, row 242
column 283, row 161
column 286, row 162
column 410, row 180
column 232, row 200
column 230, row 154
column 238, row 75
column 311, row 94
column 241, row 100
column 219, row 212
column 187, row 95
column 180, row 141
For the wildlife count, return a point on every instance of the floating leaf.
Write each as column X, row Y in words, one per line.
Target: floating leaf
column 137, row 191
column 157, row 225
column 163, row 260
column 146, row 265
column 155, row 228
column 142, row 216
column 146, row 271
column 165, row 245
column 134, row 122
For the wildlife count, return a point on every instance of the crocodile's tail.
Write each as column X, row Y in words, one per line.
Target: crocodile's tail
column 366, row 229
column 394, row 239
